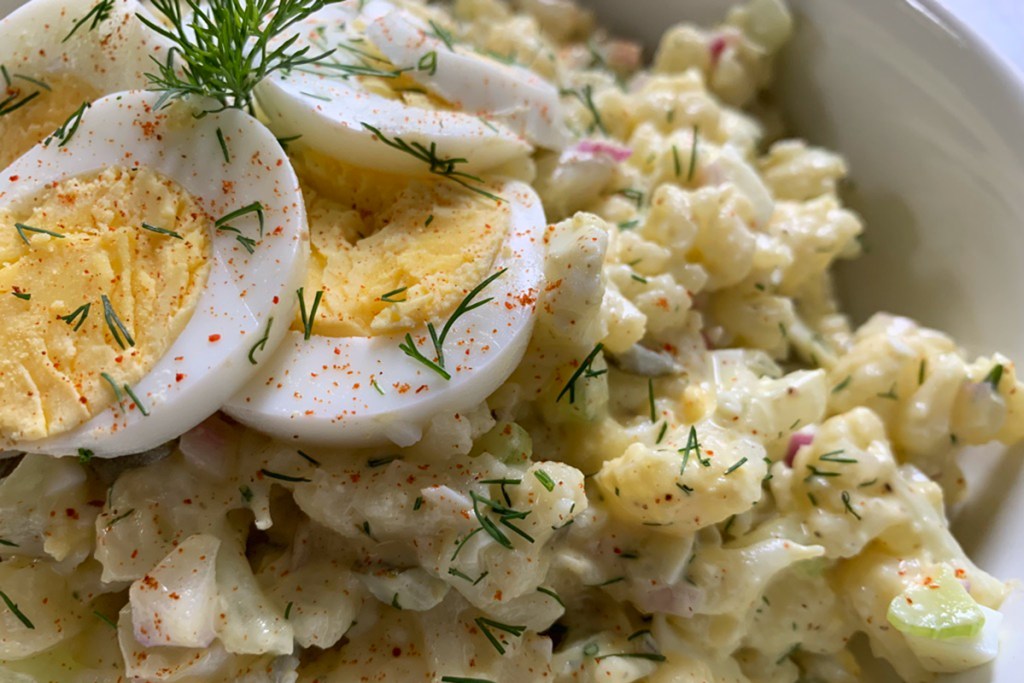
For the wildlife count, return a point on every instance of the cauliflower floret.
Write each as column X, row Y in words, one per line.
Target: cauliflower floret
column 735, row 59
column 45, row 610
column 930, row 398
column 697, row 478
column 794, row 171
column 840, row 484
column 45, row 510
column 768, row 408
column 570, row 309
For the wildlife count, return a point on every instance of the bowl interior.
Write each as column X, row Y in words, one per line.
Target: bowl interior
column 930, row 122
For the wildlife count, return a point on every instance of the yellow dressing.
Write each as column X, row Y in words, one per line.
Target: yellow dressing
column 373, row 233
column 41, row 115
column 50, row 373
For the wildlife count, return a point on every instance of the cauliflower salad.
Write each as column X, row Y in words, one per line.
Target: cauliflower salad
column 389, row 340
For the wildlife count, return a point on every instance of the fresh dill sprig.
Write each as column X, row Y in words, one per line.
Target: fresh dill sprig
column 692, row 446
column 11, row 103
column 224, row 223
column 383, row 460
column 552, row 594
column 842, row 385
column 284, row 477
column 735, row 466
column 308, row 318
column 584, row 367
column 445, row 167
column 113, row 386
column 816, row 472
column 428, row 63
column 135, row 400
column 161, row 231
column 261, row 343
column 115, row 325
column 485, row 625
column 465, row 306
column 98, row 14
column 119, row 518
column 835, row 456
column 369, row 63
column 69, row 127
column 443, row 35
column 223, row 48
column 223, row 145
column 994, row 376
column 650, row 400
column 105, row 619
column 466, row 577
column 22, row 229
column 661, row 432
column 11, row 605
column 845, row 495
column 505, row 517
column 388, row 298
column 308, row 458
column 545, row 479
column 585, row 95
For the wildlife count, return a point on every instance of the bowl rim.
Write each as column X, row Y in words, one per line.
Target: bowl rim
column 1007, row 71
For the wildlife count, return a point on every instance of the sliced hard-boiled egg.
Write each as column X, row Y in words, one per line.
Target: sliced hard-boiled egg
column 422, row 261
column 58, row 54
column 336, row 104
column 111, row 231
column 472, row 82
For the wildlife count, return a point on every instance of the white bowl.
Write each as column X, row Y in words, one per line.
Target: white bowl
column 932, row 124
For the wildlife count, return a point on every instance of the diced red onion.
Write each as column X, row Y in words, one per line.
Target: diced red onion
column 795, row 442
column 717, row 47
column 610, row 150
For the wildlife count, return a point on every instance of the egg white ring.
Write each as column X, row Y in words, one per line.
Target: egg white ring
column 208, row 362
column 479, row 84
column 328, row 114
column 112, row 57
column 322, row 391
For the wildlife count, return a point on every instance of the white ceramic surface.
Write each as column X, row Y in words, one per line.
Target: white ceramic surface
column 932, row 123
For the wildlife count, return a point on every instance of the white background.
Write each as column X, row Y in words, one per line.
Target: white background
column 999, row 22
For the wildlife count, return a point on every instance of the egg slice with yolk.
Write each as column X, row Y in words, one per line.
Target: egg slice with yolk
column 140, row 263
column 50, row 68
column 473, row 82
column 392, row 255
column 332, row 105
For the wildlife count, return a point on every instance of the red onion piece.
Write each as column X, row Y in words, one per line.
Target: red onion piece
column 611, row 150
column 795, row 442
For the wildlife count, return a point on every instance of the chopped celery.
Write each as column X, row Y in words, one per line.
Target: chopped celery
column 940, row 609
column 507, row 442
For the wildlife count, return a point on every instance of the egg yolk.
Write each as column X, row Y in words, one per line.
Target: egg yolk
column 392, row 252
column 43, row 104
column 77, row 266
